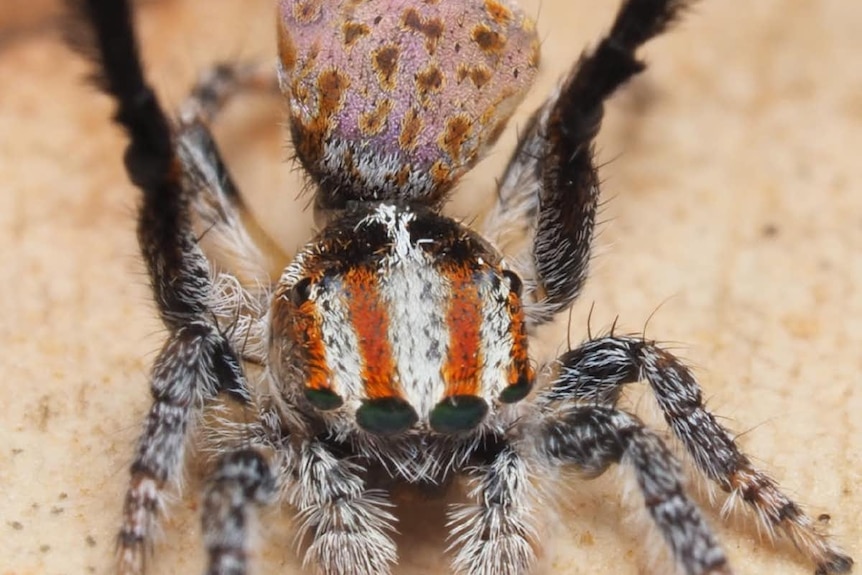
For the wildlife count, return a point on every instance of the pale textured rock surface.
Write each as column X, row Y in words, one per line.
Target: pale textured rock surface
column 733, row 174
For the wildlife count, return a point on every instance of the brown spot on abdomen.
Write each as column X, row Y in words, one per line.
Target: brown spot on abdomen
column 457, row 131
column 432, row 28
column 286, row 49
column 384, row 60
column 331, row 87
column 353, row 31
column 373, row 122
column 488, row 40
column 307, row 11
column 429, row 80
column 498, row 12
column 478, row 74
column 411, row 125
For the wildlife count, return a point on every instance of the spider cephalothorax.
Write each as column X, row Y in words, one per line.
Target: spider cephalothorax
column 393, row 348
column 404, row 319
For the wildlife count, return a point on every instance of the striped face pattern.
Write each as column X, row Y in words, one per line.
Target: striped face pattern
column 394, row 99
column 403, row 318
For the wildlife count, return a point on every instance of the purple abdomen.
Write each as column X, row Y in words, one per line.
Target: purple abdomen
column 396, row 99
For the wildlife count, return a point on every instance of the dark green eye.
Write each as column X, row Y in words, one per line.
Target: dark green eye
column 386, row 416
column 517, row 391
column 458, row 413
column 323, row 399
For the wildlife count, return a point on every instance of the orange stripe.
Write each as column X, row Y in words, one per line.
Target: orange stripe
column 520, row 357
column 464, row 318
column 307, row 328
column 370, row 320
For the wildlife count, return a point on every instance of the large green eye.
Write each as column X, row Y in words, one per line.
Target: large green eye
column 386, row 416
column 517, row 391
column 458, row 413
column 323, row 399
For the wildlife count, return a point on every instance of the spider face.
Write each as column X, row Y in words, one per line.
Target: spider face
column 394, row 345
column 399, row 318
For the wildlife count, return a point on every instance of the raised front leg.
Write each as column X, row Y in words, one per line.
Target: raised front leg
column 551, row 187
column 198, row 361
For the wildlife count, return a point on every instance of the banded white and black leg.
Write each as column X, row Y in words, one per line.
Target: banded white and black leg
column 348, row 526
column 241, row 482
column 592, row 438
column 496, row 534
column 217, row 205
column 550, row 189
column 221, row 83
column 597, row 370
column 197, row 362
column 240, row 295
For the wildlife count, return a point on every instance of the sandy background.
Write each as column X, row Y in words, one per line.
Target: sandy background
column 733, row 175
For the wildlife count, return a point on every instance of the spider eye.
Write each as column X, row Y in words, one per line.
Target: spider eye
column 386, row 415
column 300, row 292
column 516, row 391
column 323, row 399
column 514, row 281
column 458, row 413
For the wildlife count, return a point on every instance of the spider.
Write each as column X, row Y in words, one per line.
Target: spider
column 393, row 348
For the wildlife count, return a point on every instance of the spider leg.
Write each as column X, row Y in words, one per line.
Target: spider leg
column 215, row 206
column 241, row 296
column 550, row 190
column 215, row 201
column 495, row 535
column 594, row 437
column 349, row 525
column 223, row 82
column 197, row 362
column 242, row 479
column 597, row 369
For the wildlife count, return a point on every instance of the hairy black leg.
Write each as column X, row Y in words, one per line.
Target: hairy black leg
column 495, row 535
column 551, row 181
column 242, row 480
column 595, row 372
column 197, row 361
column 592, row 438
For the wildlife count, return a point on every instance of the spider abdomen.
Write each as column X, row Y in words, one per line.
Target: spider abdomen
column 400, row 330
column 396, row 100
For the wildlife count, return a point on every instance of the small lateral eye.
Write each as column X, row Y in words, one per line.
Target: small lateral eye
column 516, row 391
column 300, row 292
column 323, row 399
column 514, row 281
